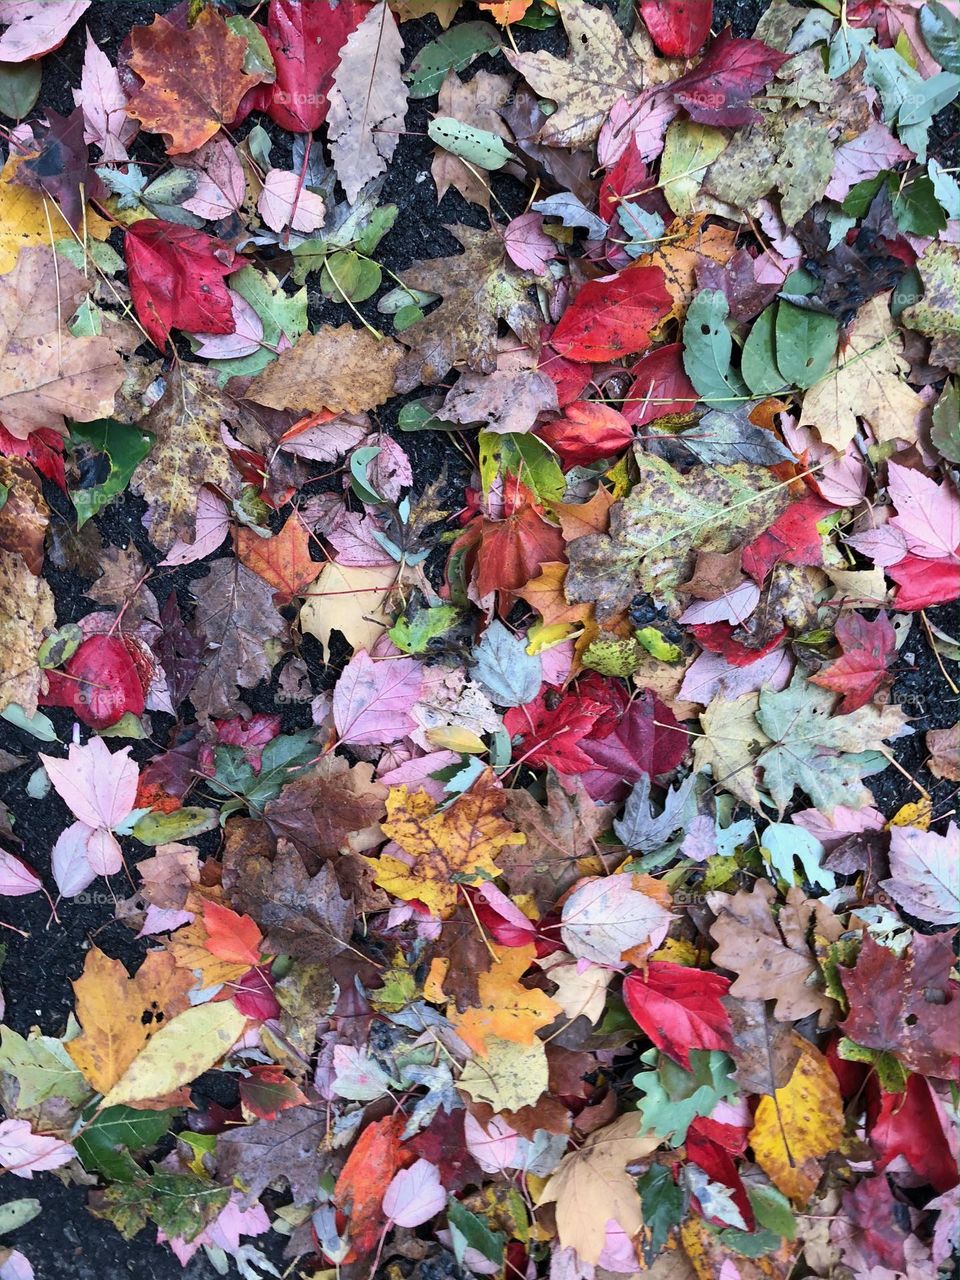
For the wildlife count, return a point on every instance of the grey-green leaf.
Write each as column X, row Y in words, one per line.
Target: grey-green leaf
column 479, row 147
column 806, row 342
column 451, row 51
column 758, row 360
column 707, row 349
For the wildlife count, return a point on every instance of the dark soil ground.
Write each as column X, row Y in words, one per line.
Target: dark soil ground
column 65, row 1240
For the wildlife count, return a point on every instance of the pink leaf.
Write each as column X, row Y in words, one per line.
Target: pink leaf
column 415, row 1195
column 100, row 788
column 105, row 120
column 372, row 700
column 213, row 525
column 493, row 1145
column 645, row 119
column 69, row 862
column 928, row 514
column 245, row 339
column 923, row 873
column 220, row 180
column 286, row 202
column 864, row 157
column 736, row 606
column 35, row 29
column 24, row 1152
column 527, row 246
column 16, row 878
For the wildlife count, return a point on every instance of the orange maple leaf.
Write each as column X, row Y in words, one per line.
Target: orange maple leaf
column 364, row 1179
column 507, row 1010
column 283, row 561
column 231, row 936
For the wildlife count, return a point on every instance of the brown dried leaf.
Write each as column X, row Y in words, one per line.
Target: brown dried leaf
column 26, row 614
column 477, row 103
column 340, row 369
column 325, row 810
column 24, row 515
column 45, row 372
column 944, row 748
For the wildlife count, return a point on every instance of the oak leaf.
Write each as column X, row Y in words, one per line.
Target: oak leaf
column 368, row 101
column 193, row 79
column 772, row 957
column 119, row 1014
column 592, row 1186
column 340, row 369
column 798, row 1125
column 447, row 848
column 46, row 373
column 507, row 1010
column 478, row 287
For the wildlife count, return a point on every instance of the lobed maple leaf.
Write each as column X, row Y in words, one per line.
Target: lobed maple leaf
column 718, row 89
column 679, row 1008
column 193, row 79
column 176, row 279
column 868, row 648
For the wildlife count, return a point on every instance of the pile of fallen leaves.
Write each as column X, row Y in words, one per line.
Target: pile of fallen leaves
column 546, row 924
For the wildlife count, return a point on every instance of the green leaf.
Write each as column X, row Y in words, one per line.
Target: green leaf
column 772, row 1210
column 674, row 1097
column 418, row 416
column 707, row 349
column 917, row 209
column 452, row 51
column 861, row 196
column 283, row 759
column 806, row 343
column 258, row 60
column 478, row 147
column 381, row 221
column 349, row 275
column 474, row 1233
column 42, row 1068
column 941, row 34
column 103, row 257
column 688, row 151
column 945, row 432
column 662, row 1202
column 360, row 459
column 413, row 634
column 180, row 1204
column 524, row 456
column 280, row 314
column 181, row 824
column 19, row 88
column 60, row 647
column 124, row 448
column 104, row 1144
column 758, row 360
column 17, row 1213
column 891, row 1074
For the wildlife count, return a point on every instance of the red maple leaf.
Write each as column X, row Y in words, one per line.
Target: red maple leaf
column 678, row 27
column 612, row 317
column 511, row 551
column 679, row 1008
column 176, row 279
column 868, row 649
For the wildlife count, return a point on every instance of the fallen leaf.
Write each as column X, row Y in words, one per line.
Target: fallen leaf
column 299, row 914
column 377, row 1155
column 26, row 615
column 120, row 1015
column 447, row 848
column 368, row 101
column 606, row 918
column 283, row 561
column 193, row 79
column 351, row 599
column 868, row 648
column 340, row 369
column 372, row 700
column 718, row 89
column 176, row 279
column 798, row 1125
column 475, row 103
column 305, row 38
column 592, row 1186
column 612, row 317
column 923, row 873
column 944, row 748
column 679, row 1008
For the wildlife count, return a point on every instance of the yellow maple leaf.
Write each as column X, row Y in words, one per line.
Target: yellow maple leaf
column 29, row 218
column 800, row 1124
column 507, row 1009
column 447, row 847
column 120, row 1014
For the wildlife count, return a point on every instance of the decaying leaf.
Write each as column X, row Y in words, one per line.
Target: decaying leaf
column 341, row 369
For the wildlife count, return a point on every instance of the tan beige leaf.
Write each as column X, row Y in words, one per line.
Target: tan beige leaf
column 592, row 1185
column 46, row 374
column 351, row 600
column 729, row 745
column 340, row 369
column 866, row 380
column 772, row 956
column 120, row 1014
column 26, row 614
column 476, row 103
column 944, row 748
column 188, row 452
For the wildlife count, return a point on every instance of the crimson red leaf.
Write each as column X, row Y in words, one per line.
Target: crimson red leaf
column 924, row 582
column 586, row 432
column 908, row 1124
column 100, row 683
column 627, row 179
column 792, row 538
column 678, row 27
column 645, row 738
column 717, row 90
column 612, row 317
column 679, row 1008
column 718, row 1165
column 268, row 1090
column 43, row 447
column 550, row 736
column 660, row 386
column 868, row 649
column 176, row 279
column 717, row 637
column 511, row 551
column 305, row 38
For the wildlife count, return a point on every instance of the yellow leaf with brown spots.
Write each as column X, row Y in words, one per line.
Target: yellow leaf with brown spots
column 120, row 1014
column 26, row 614
column 707, row 1253
column 684, row 241
column 335, row 368
column 445, row 847
column 507, row 1010
column 29, row 218
column 798, row 1126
